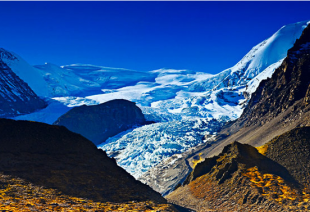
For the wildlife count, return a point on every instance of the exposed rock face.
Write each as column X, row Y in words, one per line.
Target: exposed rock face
column 241, row 179
column 289, row 84
column 54, row 157
column 99, row 122
column 16, row 97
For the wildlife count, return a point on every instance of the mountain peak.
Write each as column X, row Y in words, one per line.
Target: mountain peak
column 4, row 54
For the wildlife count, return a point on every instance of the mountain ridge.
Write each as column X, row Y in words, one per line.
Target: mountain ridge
column 16, row 97
column 99, row 122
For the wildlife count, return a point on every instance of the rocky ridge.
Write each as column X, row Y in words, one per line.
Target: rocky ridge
column 242, row 179
column 99, row 122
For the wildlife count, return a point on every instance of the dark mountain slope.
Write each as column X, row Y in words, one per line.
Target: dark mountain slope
column 99, row 122
column 16, row 97
column 54, row 157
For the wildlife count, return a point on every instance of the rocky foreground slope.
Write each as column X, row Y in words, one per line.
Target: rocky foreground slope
column 99, row 122
column 242, row 179
column 36, row 156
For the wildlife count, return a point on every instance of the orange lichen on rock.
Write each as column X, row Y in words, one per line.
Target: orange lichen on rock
column 18, row 195
column 202, row 187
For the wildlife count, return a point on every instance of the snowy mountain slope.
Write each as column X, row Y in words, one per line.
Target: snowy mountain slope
column 47, row 115
column 29, row 74
column 264, row 54
column 74, row 80
column 16, row 97
column 84, row 80
column 179, row 94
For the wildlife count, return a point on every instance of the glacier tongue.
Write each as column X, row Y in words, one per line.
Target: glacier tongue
column 144, row 147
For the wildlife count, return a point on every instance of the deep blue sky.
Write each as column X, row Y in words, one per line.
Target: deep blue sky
column 200, row 36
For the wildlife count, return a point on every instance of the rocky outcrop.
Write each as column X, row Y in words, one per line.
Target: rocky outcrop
column 242, row 179
column 99, row 122
column 16, row 97
column 292, row 151
column 54, row 157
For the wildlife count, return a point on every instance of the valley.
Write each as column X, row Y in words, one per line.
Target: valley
column 112, row 139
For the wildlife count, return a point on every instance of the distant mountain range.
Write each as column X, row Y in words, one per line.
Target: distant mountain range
column 192, row 104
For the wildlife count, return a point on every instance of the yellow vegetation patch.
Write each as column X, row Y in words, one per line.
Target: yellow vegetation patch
column 262, row 149
column 274, row 186
column 195, row 162
column 19, row 195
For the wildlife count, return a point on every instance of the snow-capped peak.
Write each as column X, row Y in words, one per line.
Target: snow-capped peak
column 263, row 55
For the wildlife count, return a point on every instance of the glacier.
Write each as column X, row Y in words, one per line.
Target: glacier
column 185, row 104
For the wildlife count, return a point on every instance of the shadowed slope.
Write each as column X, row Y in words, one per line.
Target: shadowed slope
column 54, row 157
column 19, row 195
